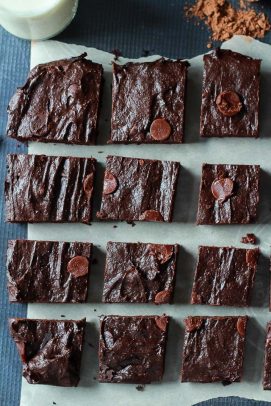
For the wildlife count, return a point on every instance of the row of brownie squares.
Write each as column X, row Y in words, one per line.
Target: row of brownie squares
column 132, row 349
column 60, row 101
column 41, row 188
column 58, row 272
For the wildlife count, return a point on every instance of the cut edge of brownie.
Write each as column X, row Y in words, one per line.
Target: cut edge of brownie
column 163, row 325
column 254, row 263
column 192, row 323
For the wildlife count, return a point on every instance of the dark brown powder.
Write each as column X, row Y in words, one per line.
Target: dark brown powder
column 224, row 20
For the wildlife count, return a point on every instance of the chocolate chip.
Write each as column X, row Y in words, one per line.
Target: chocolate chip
column 160, row 129
column 110, row 183
column 151, row 215
column 228, row 103
column 222, row 189
column 140, row 388
column 192, row 323
column 252, row 257
column 88, row 185
column 241, row 326
column 161, row 322
column 78, row 266
column 162, row 252
column 249, row 239
column 162, row 297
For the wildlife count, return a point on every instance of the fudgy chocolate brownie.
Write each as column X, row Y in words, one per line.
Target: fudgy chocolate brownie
column 58, row 103
column 229, row 194
column 41, row 188
column 132, row 348
column 48, row 271
column 213, row 349
column 230, row 95
column 148, row 102
column 138, row 189
column 267, row 359
column 139, row 273
column 224, row 276
column 50, row 350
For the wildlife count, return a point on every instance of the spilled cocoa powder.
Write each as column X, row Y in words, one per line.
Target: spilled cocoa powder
column 225, row 20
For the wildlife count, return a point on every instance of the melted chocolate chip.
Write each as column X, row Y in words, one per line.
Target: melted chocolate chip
column 222, row 189
column 160, row 129
column 78, row 266
column 110, row 183
column 228, row 103
column 241, row 326
column 161, row 322
column 162, row 297
column 151, row 215
column 193, row 323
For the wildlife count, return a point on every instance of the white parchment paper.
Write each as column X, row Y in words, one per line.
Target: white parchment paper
column 183, row 231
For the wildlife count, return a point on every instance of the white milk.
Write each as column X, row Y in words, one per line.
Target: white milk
column 36, row 19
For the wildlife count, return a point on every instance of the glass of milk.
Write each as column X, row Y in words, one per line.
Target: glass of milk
column 36, row 19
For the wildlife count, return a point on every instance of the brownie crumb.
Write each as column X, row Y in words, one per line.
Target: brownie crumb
column 95, row 310
column 140, row 388
column 226, row 383
column 224, row 20
column 90, row 345
column 54, row 403
column 62, row 315
column 94, row 378
column 100, row 152
column 249, row 239
column 117, row 53
column 115, row 226
column 131, row 223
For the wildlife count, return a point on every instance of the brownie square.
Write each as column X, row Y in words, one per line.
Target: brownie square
column 267, row 359
column 54, row 189
column 132, row 348
column 139, row 273
column 224, row 276
column 48, row 271
column 229, row 194
column 58, row 103
column 138, row 189
column 230, row 95
column 148, row 102
column 50, row 350
column 213, row 349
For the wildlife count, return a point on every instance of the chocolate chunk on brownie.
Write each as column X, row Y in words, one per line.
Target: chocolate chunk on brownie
column 148, row 102
column 41, row 188
column 139, row 273
column 213, row 349
column 58, row 103
column 230, row 95
column 267, row 359
column 138, row 189
column 224, row 276
column 132, row 348
column 50, row 350
column 48, row 271
column 229, row 194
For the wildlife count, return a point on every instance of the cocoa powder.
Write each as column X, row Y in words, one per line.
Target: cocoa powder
column 224, row 20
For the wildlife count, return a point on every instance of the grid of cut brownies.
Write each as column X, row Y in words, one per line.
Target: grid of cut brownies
column 230, row 95
column 148, row 102
column 213, row 349
column 59, row 102
column 41, row 188
column 139, row 273
column 267, row 359
column 138, row 189
column 224, row 276
column 50, row 350
column 48, row 271
column 229, row 194
column 132, row 348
